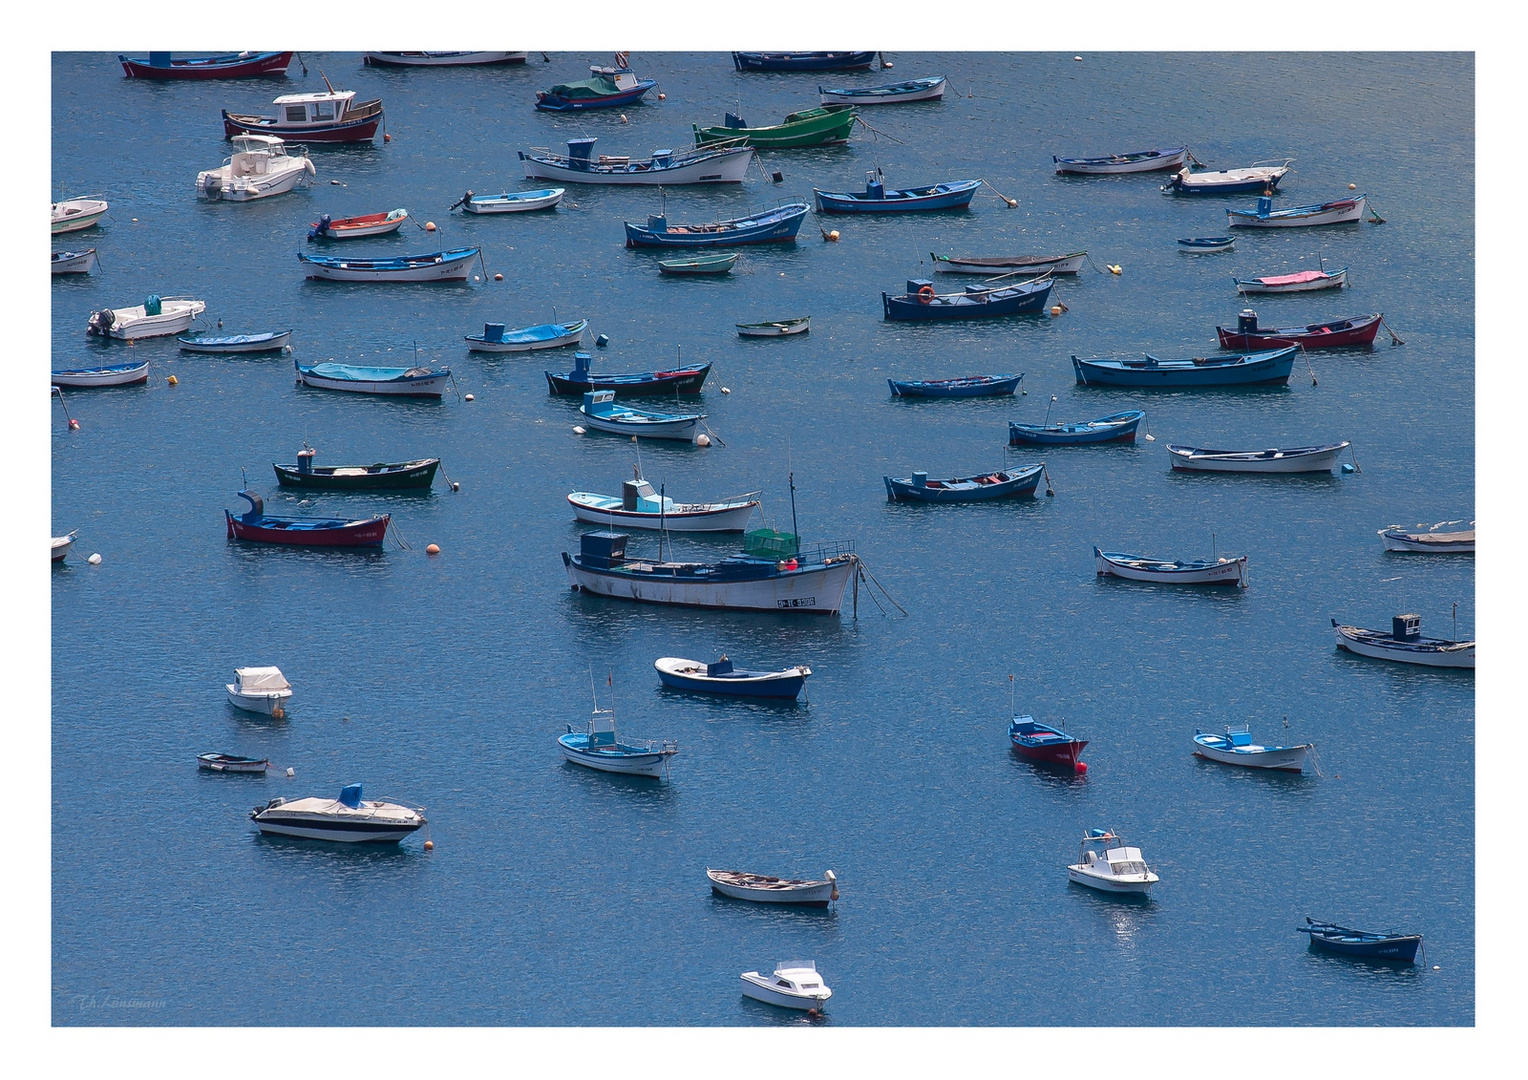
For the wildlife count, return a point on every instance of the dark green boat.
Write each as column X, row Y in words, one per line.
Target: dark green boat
column 383, row 476
column 823, row 126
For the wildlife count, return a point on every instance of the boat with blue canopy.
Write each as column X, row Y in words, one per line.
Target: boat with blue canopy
column 606, row 88
column 803, row 61
column 397, row 381
column 677, row 380
column 722, row 678
column 1249, row 369
column 451, row 265
column 985, row 301
column 967, row 386
column 203, row 342
column 929, row 89
column 877, row 198
column 603, row 414
column 1362, row 944
column 1116, row 427
column 1006, row 484
column 779, row 225
column 497, row 338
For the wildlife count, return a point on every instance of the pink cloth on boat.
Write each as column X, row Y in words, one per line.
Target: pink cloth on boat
column 1294, row 279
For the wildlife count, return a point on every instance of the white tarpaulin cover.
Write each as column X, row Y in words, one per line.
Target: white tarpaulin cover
column 260, row 678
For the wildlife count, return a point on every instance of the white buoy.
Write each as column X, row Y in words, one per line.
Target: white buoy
column 1078, row 59
column 725, row 390
column 291, row 772
column 702, row 440
column 94, row 560
column 469, row 397
column 578, row 430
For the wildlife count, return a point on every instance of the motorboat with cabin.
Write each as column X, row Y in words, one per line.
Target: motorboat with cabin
column 349, row 819
column 794, row 984
column 1405, row 644
column 155, row 317
column 259, row 689
column 332, row 116
column 259, row 167
column 1105, row 863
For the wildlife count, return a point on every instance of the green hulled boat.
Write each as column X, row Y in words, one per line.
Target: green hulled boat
column 811, row 127
column 702, row 264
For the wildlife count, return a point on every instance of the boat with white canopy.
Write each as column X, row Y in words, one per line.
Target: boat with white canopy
column 794, row 984
column 349, row 819
column 259, row 689
column 1105, row 863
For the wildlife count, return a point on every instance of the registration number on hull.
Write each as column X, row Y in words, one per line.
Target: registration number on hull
column 805, row 601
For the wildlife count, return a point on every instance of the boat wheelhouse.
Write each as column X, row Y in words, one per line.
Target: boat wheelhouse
column 331, row 116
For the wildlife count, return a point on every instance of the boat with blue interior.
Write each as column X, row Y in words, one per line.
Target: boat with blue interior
column 510, row 202
column 602, row 413
column 701, row 165
column 1116, row 427
column 640, row 507
column 721, row 677
column 965, row 386
column 682, row 379
column 258, row 526
column 1361, row 944
column 777, row 226
column 240, row 65
column 877, row 198
column 1046, row 744
column 450, row 265
column 989, row 300
column 1336, row 212
column 1235, row 747
column 497, row 338
column 1005, row 484
column 1249, row 369
column 1212, row 571
column 598, row 747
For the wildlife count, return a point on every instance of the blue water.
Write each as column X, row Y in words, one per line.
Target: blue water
column 556, row 896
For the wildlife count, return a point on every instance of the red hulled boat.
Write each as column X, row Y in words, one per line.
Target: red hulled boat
column 1045, row 744
column 1249, row 337
column 332, row 117
column 306, row 532
column 226, row 66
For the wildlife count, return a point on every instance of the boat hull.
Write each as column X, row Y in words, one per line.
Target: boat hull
column 731, row 520
column 1462, row 655
column 431, row 386
column 773, row 228
column 1330, row 335
column 890, row 94
column 232, row 66
column 368, row 533
column 219, row 185
column 77, row 262
column 815, row 895
column 1255, row 369
column 818, row 61
column 770, row 996
column 624, row 764
column 997, row 386
column 442, row 59
column 1401, row 948
column 1108, row 884
column 363, row 129
column 357, row 228
column 830, row 130
column 1335, row 280
column 1401, row 540
column 785, row 685
column 414, row 476
column 124, row 325
column 509, row 204
column 61, row 546
column 242, row 343
column 1341, row 212
column 1225, row 572
column 453, row 268
column 661, row 382
column 957, row 197
column 1118, row 428
column 1237, row 182
column 777, row 329
column 266, row 704
column 77, row 214
column 1024, row 299
column 116, row 375
column 549, row 102
column 1020, row 484
column 224, row 763
column 1151, row 161
column 345, row 832
column 723, row 167
column 1061, row 264
column 1322, row 459
column 810, row 590
column 709, row 266
column 566, row 334
column 1278, row 758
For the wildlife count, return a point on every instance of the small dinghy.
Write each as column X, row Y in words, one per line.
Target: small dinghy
column 259, row 689
column 104, row 375
column 1047, row 745
column 415, row 475
column 62, row 544
column 779, row 328
column 1216, row 571
column 1106, row 864
column 204, row 342
column 155, row 317
column 394, row 381
column 929, row 89
column 1294, row 459
column 73, row 262
column 701, row 264
column 496, row 338
column 1304, row 281
column 702, row 165
column 230, row 763
column 966, row 386
column 255, row 525
column 1008, row 484
column 1140, row 161
column 1236, row 747
column 1337, row 212
column 353, row 228
column 1428, row 538
column 510, row 202
column 1257, row 177
column 451, row 265
column 599, row 748
column 1207, row 243
column 348, row 819
column 640, row 507
column 1363, row 944
column 1338, row 333
column 764, row 889
column 603, row 414
column 794, row 984
column 920, row 303
column 72, row 215
column 877, row 198
column 1116, row 427
column 722, row 678
column 681, row 380
column 1405, row 644
column 1018, row 264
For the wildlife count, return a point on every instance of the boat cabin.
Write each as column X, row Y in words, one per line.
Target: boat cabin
column 1406, row 627
column 253, row 154
column 1098, row 857
column 603, row 548
column 797, row 977
column 315, row 109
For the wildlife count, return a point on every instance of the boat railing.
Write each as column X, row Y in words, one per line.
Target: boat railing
column 826, row 551
column 362, row 111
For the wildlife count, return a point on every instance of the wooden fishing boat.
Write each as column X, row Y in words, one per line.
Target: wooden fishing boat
column 103, row 375
column 967, row 386
column 766, row 889
column 1429, row 539
column 72, row 215
column 442, row 59
column 877, row 198
column 823, row 126
column 679, row 380
column 232, row 763
column 259, row 689
column 640, row 507
column 1256, row 177
column 722, row 678
column 986, row 301
column 1339, row 333
column 700, row 264
column 158, row 65
column 450, row 265
column 61, row 544
column 511, row 202
column 1202, row 244
column 495, row 338
column 1405, row 644
column 1024, row 264
column 603, row 414
column 1008, row 484
column 1295, row 459
column 772, row 574
column 202, row 341
column 779, row 225
column 600, row 748
column 1236, row 747
column 395, row 381
column 1363, row 944
column 1337, row 212
column 803, row 61
column 1251, row 369
column 155, row 317
column 709, row 165
column 929, row 89
column 1303, row 281
column 1046, row 744
column 352, row 228
column 1216, row 571
column 73, row 262
column 415, row 475
column 255, row 525
column 606, row 88
column 1116, row 427
column 259, row 168
column 321, row 117
column 778, row 328
column 1141, row 161
column 348, row 819
column 1106, row 864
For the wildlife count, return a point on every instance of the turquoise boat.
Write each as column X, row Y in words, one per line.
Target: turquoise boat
column 703, row 264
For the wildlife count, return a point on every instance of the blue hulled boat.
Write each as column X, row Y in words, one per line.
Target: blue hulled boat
column 606, row 88
column 969, row 386
column 779, row 225
column 1206, row 243
column 803, row 61
column 1329, row 937
column 877, row 198
column 1250, row 369
column 681, row 380
column 722, row 678
column 921, row 304
column 1010, row 484
column 1116, row 427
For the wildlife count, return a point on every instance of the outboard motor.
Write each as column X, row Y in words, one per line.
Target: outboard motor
column 100, row 322
column 321, row 229
column 256, row 509
column 305, row 461
column 1246, row 322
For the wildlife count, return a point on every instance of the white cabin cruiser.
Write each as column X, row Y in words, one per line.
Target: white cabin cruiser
column 348, row 819
column 259, row 689
column 794, row 984
column 260, row 166
column 72, row 215
column 155, row 317
column 1106, row 864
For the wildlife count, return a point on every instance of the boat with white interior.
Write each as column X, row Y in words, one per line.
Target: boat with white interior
column 1105, row 863
column 794, row 984
column 260, row 166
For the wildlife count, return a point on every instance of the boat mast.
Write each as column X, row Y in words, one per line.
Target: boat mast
column 796, row 532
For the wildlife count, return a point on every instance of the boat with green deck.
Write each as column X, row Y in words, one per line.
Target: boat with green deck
column 824, row 126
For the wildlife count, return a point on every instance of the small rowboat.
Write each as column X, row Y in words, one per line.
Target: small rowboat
column 1296, row 459
column 1252, row 369
column 879, row 199
column 1116, row 427
column 1337, row 212
column 779, row 225
column 1045, row 744
column 230, row 763
column 442, row 59
column 708, row 165
column 1329, row 937
column 640, row 507
column 764, row 889
column 1263, row 178
column 511, row 202
column 681, row 380
column 802, row 61
column 1217, row 571
column 495, row 338
column 204, row 342
column 1140, row 161
column 1199, row 244
column 1010, row 484
column 1338, row 333
column 1304, row 281
column 72, row 215
column 602, row 413
column 1236, row 747
column 255, row 525
column 62, row 544
column 352, row 228
column 702, row 264
column 1405, row 644
column 969, row 386
column 383, row 476
column 722, row 678
column 781, row 328
column 105, row 375
column 826, row 126
column 1028, row 264
column 403, row 382
column 1429, row 539
column 929, row 89
column 73, row 262
column 986, row 301
column 449, row 265
column 158, row 65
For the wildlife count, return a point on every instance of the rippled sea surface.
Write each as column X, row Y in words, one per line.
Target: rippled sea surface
column 557, row 896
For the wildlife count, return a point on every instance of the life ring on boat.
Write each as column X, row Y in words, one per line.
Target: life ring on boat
column 926, row 294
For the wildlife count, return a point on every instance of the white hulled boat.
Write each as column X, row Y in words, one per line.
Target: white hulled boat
column 764, row 889
column 1294, row 459
column 155, row 317
column 260, row 166
column 1429, row 538
column 1405, row 644
column 599, row 748
column 794, row 984
column 1236, row 747
column 62, row 544
column 348, row 819
column 640, row 507
column 724, row 165
column 259, row 689
column 71, row 215
column 1106, row 864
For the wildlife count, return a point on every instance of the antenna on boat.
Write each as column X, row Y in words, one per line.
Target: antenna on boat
column 661, row 522
column 246, row 487
column 1010, row 696
column 1456, row 621
column 794, row 528
column 1213, row 553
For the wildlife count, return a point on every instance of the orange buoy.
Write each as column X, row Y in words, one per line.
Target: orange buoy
column 386, row 137
column 429, row 226
column 498, row 277
column 172, row 380
column 433, row 549
column 429, row 845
